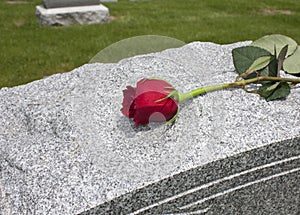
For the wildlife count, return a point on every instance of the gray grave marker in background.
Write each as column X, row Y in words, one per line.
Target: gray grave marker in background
column 69, row 3
column 108, row 0
column 68, row 12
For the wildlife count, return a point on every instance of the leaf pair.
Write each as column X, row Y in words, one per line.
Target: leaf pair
column 275, row 44
column 266, row 57
column 261, row 52
column 273, row 91
column 249, row 58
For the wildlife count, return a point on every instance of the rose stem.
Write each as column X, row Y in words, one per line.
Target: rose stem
column 207, row 89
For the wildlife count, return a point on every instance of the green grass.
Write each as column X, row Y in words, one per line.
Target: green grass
column 29, row 51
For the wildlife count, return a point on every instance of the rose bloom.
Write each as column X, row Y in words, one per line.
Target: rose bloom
column 149, row 102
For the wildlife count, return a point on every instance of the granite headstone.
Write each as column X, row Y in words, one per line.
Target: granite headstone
column 65, row 147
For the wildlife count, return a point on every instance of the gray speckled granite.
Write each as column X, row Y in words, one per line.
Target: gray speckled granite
column 65, row 147
column 68, row 3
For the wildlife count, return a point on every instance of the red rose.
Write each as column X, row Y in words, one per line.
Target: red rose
column 149, row 101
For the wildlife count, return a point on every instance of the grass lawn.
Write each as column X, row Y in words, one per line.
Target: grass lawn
column 29, row 51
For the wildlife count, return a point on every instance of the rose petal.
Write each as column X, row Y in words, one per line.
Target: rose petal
column 157, row 85
column 128, row 101
column 146, row 107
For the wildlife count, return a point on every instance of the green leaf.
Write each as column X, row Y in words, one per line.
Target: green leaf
column 282, row 91
column 272, row 68
column 267, row 89
column 271, row 91
column 281, row 57
column 279, row 41
column 245, row 57
column 260, row 63
column 292, row 64
column 264, row 71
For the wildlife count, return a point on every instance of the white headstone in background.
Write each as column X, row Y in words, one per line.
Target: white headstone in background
column 68, row 12
column 108, row 0
column 68, row 3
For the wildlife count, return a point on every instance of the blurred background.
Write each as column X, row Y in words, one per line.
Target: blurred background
column 29, row 51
